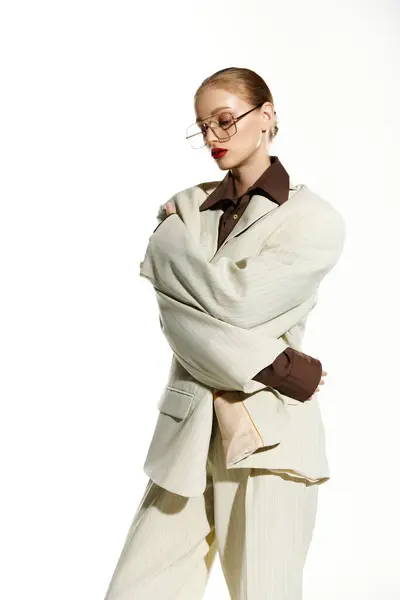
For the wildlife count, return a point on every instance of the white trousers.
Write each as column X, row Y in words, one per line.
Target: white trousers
column 260, row 523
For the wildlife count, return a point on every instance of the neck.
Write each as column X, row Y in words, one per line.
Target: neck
column 247, row 173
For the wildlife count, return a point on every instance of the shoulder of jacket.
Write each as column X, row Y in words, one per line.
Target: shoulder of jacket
column 196, row 193
column 204, row 188
column 309, row 201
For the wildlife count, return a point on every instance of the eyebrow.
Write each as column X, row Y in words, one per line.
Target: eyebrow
column 213, row 112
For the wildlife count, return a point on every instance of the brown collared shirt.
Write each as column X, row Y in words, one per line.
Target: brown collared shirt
column 292, row 373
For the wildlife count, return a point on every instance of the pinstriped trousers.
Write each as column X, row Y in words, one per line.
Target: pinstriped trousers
column 261, row 524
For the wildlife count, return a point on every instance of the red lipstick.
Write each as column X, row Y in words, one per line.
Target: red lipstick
column 218, row 152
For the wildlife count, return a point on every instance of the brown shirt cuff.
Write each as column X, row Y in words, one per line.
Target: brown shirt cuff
column 292, row 373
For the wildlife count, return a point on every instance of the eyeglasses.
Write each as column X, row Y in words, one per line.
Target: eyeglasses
column 224, row 122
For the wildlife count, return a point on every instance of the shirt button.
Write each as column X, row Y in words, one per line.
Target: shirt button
column 235, row 216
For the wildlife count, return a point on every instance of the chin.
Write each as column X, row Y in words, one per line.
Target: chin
column 224, row 167
column 227, row 162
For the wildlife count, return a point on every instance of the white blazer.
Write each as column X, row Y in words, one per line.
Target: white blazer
column 226, row 314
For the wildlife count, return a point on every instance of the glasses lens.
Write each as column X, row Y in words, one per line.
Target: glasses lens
column 194, row 136
column 223, row 126
column 226, row 126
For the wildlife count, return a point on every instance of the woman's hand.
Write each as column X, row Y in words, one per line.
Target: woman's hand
column 321, row 382
column 170, row 208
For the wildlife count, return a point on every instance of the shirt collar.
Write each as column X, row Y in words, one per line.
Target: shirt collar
column 273, row 183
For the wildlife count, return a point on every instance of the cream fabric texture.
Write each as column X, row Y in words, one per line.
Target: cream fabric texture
column 260, row 523
column 226, row 314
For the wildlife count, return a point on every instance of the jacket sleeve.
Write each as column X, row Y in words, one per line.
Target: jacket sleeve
column 228, row 357
column 255, row 289
column 218, row 354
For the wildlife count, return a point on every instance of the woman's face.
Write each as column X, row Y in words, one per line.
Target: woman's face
column 248, row 140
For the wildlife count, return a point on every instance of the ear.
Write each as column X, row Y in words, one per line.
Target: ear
column 268, row 115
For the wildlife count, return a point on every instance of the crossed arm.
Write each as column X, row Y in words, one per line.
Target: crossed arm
column 218, row 354
column 276, row 286
column 256, row 289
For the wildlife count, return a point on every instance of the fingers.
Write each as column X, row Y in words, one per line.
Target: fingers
column 322, row 382
column 170, row 208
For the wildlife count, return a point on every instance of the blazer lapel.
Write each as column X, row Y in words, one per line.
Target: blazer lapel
column 203, row 225
column 199, row 209
column 258, row 207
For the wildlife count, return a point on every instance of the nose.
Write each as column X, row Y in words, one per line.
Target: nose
column 209, row 139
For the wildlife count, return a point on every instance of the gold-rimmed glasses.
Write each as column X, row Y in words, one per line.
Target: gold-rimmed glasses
column 223, row 125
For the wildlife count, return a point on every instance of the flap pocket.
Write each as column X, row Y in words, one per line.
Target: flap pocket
column 175, row 402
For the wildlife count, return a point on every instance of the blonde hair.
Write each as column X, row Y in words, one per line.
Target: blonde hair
column 246, row 84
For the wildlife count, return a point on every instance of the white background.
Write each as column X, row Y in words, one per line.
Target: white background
column 95, row 100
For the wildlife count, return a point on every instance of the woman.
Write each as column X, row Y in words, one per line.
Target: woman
column 235, row 461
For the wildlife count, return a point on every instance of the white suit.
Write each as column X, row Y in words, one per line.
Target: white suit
column 241, row 479
column 227, row 314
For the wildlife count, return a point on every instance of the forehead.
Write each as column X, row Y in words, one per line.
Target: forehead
column 212, row 101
